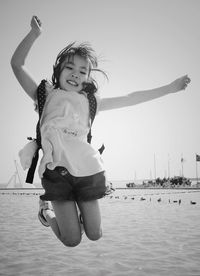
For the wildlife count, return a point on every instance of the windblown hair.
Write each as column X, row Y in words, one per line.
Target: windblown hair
column 83, row 50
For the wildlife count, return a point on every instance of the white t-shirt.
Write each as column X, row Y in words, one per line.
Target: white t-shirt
column 65, row 124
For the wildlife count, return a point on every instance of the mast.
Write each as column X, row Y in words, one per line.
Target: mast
column 168, row 166
column 16, row 181
column 182, row 161
column 17, row 174
column 154, row 166
column 12, row 181
column 197, row 177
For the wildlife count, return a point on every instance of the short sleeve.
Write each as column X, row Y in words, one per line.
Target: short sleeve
column 98, row 99
column 36, row 105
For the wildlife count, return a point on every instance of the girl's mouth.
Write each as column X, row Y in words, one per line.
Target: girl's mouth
column 73, row 83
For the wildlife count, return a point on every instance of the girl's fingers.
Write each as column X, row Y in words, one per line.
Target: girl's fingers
column 186, row 81
column 37, row 21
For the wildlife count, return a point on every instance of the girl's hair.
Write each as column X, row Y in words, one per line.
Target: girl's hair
column 83, row 50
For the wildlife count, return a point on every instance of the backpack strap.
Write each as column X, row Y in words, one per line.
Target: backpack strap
column 41, row 97
column 92, row 108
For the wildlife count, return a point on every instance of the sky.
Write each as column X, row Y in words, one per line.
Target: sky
column 141, row 44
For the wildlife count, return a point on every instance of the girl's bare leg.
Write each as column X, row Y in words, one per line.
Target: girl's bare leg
column 65, row 222
column 91, row 215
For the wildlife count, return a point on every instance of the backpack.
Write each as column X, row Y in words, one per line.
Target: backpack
column 41, row 96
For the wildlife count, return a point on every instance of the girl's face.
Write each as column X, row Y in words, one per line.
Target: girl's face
column 74, row 72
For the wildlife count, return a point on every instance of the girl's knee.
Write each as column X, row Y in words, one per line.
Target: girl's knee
column 94, row 235
column 70, row 242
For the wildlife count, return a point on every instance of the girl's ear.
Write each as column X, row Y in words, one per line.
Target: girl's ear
column 89, row 80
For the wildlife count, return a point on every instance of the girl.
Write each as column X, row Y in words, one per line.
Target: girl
column 71, row 170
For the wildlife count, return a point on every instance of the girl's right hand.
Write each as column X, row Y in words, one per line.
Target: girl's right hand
column 36, row 25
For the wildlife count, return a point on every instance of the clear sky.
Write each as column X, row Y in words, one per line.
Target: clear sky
column 142, row 44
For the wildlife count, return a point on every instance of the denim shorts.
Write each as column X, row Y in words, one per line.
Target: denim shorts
column 60, row 185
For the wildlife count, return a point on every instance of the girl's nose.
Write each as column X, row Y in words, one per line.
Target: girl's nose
column 74, row 75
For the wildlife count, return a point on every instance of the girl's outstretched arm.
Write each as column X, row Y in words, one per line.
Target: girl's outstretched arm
column 19, row 57
column 144, row 96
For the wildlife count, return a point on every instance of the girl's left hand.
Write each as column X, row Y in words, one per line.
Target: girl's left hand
column 180, row 83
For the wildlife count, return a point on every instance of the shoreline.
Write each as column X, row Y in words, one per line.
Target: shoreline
column 158, row 188
column 120, row 188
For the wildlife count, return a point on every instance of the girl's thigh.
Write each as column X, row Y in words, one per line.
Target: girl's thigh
column 91, row 215
column 68, row 221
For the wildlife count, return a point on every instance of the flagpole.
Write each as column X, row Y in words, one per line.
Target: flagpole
column 154, row 166
column 182, row 163
column 168, row 166
column 197, row 170
column 150, row 175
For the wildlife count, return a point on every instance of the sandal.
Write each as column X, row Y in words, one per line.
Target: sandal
column 44, row 205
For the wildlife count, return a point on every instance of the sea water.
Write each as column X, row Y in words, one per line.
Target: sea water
column 145, row 232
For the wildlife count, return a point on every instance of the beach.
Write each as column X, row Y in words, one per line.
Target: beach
column 145, row 232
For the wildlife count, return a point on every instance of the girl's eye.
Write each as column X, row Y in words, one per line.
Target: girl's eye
column 83, row 73
column 68, row 67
